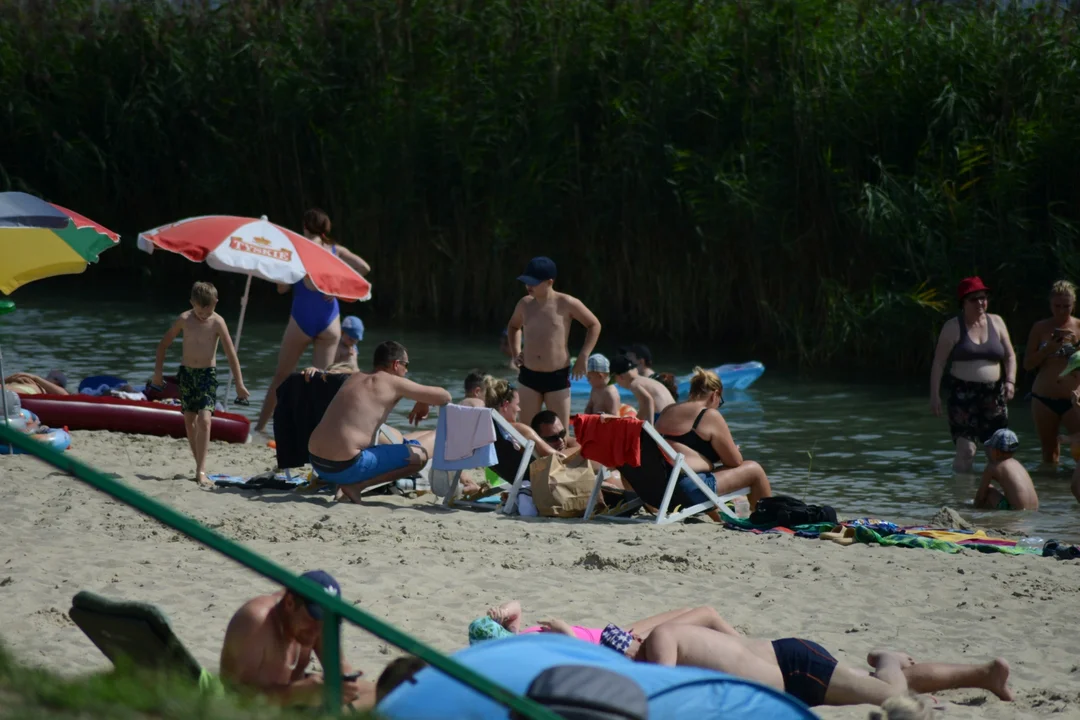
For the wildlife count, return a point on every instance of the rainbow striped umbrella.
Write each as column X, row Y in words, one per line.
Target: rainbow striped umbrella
column 39, row 240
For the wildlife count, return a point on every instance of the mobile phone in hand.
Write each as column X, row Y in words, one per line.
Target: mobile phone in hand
column 352, row 676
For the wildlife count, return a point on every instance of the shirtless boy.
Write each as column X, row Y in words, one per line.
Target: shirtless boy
column 652, row 396
column 544, row 378
column 352, row 332
column 603, row 398
column 269, row 643
column 474, row 389
column 197, row 377
column 343, row 447
column 1017, row 491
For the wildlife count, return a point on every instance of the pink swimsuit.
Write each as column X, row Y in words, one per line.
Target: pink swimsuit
column 591, row 635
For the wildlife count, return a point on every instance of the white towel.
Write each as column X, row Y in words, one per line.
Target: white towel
column 467, row 428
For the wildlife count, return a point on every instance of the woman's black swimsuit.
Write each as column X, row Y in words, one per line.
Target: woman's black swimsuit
column 695, row 442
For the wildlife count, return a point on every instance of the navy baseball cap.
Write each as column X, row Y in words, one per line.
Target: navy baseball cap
column 328, row 583
column 353, row 327
column 538, row 270
column 621, row 364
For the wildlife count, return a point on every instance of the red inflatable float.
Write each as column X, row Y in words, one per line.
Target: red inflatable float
column 88, row 412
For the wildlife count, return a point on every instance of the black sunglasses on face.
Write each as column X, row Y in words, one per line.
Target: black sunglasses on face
column 552, row 438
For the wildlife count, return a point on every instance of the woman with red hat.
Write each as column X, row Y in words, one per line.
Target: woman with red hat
column 1049, row 346
column 982, row 372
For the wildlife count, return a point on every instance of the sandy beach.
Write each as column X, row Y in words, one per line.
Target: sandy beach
column 430, row 572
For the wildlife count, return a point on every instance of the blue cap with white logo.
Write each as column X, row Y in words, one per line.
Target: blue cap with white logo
column 328, row 583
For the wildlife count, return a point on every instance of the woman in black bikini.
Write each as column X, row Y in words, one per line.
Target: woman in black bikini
column 982, row 375
column 696, row 428
column 1049, row 346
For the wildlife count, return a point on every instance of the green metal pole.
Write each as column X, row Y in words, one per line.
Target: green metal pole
column 305, row 588
column 331, row 660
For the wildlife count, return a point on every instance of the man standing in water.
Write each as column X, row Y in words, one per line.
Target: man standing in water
column 343, row 448
column 545, row 315
column 269, row 643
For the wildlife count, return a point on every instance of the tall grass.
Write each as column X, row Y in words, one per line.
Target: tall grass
column 807, row 176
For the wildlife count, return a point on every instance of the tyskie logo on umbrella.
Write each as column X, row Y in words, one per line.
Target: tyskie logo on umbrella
column 260, row 246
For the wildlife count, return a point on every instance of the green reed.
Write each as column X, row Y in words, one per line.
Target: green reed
column 808, row 178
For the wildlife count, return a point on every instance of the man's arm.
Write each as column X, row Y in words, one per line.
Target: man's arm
column 646, row 405
column 163, row 347
column 241, row 665
column 513, row 332
column 230, row 355
column 584, row 315
column 427, row 394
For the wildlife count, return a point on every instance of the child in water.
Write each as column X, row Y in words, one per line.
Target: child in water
column 603, row 397
column 1017, row 491
column 197, row 377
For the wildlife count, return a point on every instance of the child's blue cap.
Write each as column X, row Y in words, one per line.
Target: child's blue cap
column 353, row 327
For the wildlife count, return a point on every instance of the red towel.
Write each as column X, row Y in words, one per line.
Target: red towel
column 612, row 443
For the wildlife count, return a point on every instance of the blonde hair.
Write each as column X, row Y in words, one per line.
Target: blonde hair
column 1063, row 287
column 704, row 382
column 903, row 707
column 203, row 294
column 497, row 392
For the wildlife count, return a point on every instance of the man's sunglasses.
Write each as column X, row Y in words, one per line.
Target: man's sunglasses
column 557, row 436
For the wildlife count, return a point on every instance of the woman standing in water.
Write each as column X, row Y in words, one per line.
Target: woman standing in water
column 978, row 347
column 1049, row 346
column 314, row 316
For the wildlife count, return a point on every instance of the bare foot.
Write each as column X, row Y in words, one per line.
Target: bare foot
column 998, row 679
column 204, row 482
column 341, row 497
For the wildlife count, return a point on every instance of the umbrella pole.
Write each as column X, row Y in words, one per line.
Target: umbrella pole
column 3, row 396
column 239, row 330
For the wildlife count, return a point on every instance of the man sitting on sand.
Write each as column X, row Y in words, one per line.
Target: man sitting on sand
column 474, row 389
column 803, row 668
column 651, row 395
column 1017, row 490
column 343, row 446
column 603, row 397
column 269, row 642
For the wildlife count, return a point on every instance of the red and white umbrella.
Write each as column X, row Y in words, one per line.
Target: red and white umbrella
column 257, row 248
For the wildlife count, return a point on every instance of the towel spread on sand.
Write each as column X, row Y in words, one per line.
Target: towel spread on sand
column 467, row 430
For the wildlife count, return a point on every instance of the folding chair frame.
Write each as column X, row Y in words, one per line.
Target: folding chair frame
column 679, row 467
column 528, row 446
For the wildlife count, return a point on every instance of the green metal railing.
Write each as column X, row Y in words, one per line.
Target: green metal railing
column 334, row 608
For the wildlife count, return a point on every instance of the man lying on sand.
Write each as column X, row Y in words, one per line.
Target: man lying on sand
column 343, row 448
column 803, row 668
column 269, row 642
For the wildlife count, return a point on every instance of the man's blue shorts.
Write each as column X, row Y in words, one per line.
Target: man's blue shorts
column 370, row 463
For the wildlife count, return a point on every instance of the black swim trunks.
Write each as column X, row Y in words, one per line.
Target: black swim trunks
column 544, row 382
column 807, row 669
column 198, row 388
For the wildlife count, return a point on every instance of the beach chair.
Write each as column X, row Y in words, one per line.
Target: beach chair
column 504, row 433
column 658, row 461
column 134, row 632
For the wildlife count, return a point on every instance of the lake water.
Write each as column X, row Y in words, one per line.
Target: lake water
column 867, row 450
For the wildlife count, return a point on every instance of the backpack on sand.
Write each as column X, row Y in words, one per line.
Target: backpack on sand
column 786, row 511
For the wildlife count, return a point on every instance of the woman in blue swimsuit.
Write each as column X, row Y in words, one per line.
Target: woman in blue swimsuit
column 1049, row 346
column 314, row 317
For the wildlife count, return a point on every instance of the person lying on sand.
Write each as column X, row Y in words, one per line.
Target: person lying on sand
column 1017, row 491
column 505, row 621
column 343, row 447
column 803, row 668
column 269, row 642
column 55, row 383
